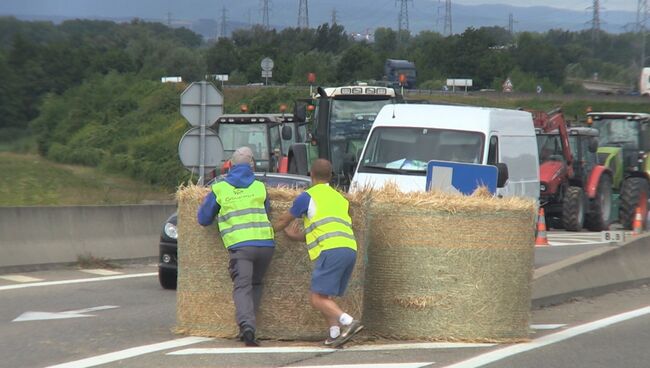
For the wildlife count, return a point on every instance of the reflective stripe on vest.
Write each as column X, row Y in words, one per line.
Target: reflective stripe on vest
column 331, row 226
column 242, row 215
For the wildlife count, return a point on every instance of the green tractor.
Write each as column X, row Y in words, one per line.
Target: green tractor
column 624, row 145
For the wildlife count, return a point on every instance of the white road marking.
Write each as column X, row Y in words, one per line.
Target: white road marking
column 500, row 354
column 130, row 353
column 379, row 365
column 101, row 271
column 20, row 278
column 309, row 349
column 77, row 281
column 547, row 327
column 40, row 316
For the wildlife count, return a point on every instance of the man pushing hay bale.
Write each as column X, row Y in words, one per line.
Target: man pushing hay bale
column 204, row 301
column 449, row 267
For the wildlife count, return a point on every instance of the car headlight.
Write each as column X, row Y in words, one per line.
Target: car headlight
column 171, row 231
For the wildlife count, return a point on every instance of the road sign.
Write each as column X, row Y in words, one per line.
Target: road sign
column 267, row 64
column 612, row 236
column 460, row 177
column 189, row 150
column 201, row 103
column 267, row 74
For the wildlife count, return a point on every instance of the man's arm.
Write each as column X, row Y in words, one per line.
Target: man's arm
column 283, row 221
column 208, row 210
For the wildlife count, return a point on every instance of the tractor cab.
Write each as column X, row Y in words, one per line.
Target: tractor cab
column 261, row 133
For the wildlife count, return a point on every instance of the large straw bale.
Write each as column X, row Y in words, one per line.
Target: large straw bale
column 449, row 267
column 204, row 295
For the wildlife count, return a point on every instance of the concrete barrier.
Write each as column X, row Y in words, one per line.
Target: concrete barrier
column 44, row 235
column 593, row 273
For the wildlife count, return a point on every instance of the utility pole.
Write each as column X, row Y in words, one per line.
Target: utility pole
column 595, row 22
column 169, row 19
column 303, row 14
column 403, row 16
column 333, row 16
column 224, row 20
column 265, row 14
column 250, row 18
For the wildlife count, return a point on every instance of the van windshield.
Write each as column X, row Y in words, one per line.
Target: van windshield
column 410, row 149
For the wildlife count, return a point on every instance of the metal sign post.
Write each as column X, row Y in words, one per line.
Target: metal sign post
column 267, row 67
column 201, row 105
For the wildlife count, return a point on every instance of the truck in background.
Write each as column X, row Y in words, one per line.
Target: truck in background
column 644, row 82
column 342, row 119
column 393, row 68
column 405, row 138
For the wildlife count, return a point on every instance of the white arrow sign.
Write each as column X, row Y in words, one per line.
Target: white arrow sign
column 39, row 316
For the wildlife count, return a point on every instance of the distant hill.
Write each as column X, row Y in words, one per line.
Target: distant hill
column 359, row 16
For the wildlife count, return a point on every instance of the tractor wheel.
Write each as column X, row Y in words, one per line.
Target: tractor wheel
column 573, row 209
column 634, row 193
column 600, row 207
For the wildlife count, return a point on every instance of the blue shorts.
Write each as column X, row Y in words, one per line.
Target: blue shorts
column 332, row 271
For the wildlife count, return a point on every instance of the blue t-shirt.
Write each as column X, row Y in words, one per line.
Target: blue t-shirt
column 300, row 205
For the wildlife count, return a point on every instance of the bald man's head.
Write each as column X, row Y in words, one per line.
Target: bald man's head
column 321, row 171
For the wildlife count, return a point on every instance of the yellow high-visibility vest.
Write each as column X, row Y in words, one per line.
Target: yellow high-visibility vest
column 331, row 225
column 242, row 215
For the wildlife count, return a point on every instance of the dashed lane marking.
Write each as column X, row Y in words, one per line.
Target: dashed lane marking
column 77, row 281
column 20, row 278
column 547, row 327
column 102, row 272
column 500, row 354
column 309, row 349
column 130, row 353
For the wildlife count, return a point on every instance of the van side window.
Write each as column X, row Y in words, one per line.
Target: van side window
column 493, row 152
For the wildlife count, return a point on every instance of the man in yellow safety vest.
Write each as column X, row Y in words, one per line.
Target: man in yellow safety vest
column 241, row 206
column 331, row 244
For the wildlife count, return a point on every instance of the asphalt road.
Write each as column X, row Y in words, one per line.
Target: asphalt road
column 112, row 321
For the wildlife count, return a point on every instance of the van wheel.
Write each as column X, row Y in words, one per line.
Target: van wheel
column 573, row 209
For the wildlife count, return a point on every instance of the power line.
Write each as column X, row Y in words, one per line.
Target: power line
column 444, row 17
column 641, row 15
column 595, row 21
column 266, row 9
column 511, row 24
column 303, row 14
column 224, row 20
column 640, row 26
column 403, row 16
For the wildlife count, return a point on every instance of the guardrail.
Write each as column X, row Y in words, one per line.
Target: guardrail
column 31, row 236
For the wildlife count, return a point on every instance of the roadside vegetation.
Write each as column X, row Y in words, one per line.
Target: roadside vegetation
column 88, row 92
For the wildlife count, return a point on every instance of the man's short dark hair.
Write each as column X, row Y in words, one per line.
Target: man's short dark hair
column 321, row 170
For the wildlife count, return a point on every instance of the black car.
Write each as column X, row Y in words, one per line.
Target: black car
column 168, row 262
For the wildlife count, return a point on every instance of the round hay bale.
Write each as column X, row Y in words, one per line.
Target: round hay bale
column 204, row 295
column 450, row 268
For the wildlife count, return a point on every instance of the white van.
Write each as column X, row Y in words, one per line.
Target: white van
column 405, row 137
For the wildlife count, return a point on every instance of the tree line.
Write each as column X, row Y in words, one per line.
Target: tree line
column 90, row 90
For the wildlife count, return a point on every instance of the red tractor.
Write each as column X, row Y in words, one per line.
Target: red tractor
column 575, row 191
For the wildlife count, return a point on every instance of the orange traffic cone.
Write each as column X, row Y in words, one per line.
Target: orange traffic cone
column 637, row 224
column 541, row 240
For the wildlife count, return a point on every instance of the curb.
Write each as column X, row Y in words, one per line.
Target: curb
column 593, row 273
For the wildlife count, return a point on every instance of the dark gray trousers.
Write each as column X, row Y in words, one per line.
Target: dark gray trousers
column 247, row 268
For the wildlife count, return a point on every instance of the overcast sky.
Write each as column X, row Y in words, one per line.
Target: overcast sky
column 54, row 6
column 629, row 5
